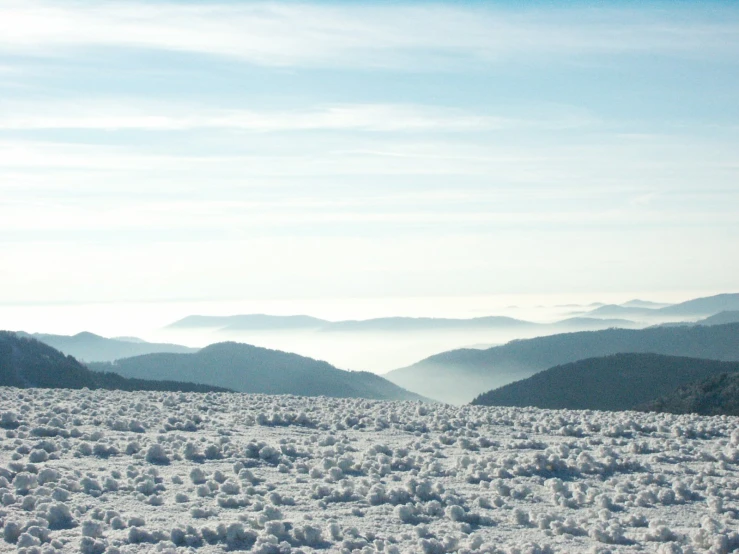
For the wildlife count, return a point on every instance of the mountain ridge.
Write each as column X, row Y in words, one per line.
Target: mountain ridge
column 611, row 383
column 253, row 369
column 90, row 347
column 458, row 376
column 262, row 322
column 26, row 362
column 703, row 306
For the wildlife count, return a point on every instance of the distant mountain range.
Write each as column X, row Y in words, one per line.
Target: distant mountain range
column 247, row 368
column 616, row 310
column 94, row 348
column 715, row 395
column 28, row 363
column 616, row 382
column 249, row 322
column 261, row 322
column 636, row 303
column 720, row 318
column 402, row 324
column 697, row 307
column 458, row 376
column 618, row 316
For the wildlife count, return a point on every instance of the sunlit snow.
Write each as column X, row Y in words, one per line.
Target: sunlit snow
column 97, row 471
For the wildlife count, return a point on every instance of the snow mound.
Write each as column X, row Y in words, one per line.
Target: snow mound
column 116, row 472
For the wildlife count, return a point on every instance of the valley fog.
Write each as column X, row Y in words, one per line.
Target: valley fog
column 366, row 350
column 375, row 352
column 361, row 351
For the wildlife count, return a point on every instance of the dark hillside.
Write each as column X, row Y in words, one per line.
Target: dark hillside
column 458, row 376
column 247, row 368
column 28, row 363
column 617, row 382
column 90, row 347
column 716, row 395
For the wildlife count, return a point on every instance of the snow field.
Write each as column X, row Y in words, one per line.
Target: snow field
column 116, row 472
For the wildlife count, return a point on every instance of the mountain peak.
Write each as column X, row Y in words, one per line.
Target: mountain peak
column 86, row 335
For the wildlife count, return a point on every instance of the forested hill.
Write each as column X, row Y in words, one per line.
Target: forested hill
column 90, row 347
column 458, row 376
column 247, row 368
column 28, row 363
column 715, row 395
column 616, row 382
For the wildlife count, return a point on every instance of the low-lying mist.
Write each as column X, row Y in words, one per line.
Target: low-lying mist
column 378, row 352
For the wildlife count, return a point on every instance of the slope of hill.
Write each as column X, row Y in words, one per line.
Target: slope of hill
column 28, row 363
column 705, row 306
column 715, row 395
column 247, row 368
column 616, row 382
column 721, row 318
column 458, row 376
column 94, row 348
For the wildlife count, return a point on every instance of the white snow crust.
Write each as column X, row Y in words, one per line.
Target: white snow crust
column 117, row 472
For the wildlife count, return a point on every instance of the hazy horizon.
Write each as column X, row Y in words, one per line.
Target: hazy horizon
column 368, row 350
column 145, row 318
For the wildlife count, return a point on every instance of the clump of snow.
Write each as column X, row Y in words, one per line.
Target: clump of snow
column 116, row 472
column 156, row 454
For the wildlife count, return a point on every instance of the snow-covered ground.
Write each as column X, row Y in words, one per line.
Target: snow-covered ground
column 98, row 471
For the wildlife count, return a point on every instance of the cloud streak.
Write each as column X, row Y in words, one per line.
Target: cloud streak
column 290, row 34
column 586, row 162
column 232, row 218
column 120, row 114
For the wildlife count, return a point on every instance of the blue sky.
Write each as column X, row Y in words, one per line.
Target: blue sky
column 195, row 150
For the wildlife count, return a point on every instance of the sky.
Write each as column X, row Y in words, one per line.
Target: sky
column 194, row 151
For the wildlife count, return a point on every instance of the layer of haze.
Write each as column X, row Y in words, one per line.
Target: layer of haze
column 359, row 350
column 346, row 160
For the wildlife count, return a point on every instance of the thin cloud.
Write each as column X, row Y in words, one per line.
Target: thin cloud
column 231, row 216
column 287, row 34
column 129, row 114
column 591, row 162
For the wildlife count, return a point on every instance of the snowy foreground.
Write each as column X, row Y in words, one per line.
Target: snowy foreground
column 97, row 471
